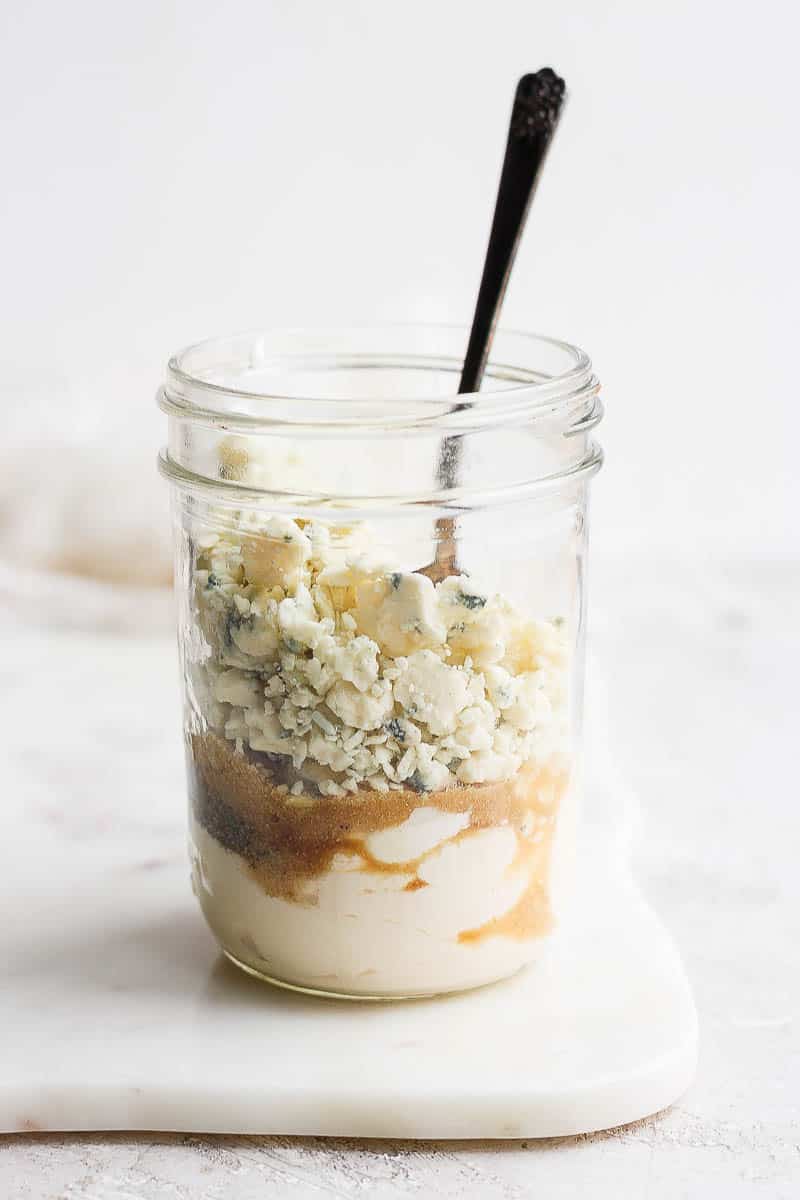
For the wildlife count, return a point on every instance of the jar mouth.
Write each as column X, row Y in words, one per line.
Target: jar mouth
column 372, row 377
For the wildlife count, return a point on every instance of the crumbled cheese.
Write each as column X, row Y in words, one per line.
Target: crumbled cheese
column 408, row 618
column 431, row 692
column 355, row 673
column 236, row 687
column 355, row 661
column 276, row 555
column 362, row 710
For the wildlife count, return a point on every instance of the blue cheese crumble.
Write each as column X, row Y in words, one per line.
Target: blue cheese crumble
column 355, row 674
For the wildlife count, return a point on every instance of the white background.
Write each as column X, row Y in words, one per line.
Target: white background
column 175, row 170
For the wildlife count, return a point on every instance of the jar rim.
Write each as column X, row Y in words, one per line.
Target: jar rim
column 188, row 392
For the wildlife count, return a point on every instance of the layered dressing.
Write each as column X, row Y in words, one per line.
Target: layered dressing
column 377, row 764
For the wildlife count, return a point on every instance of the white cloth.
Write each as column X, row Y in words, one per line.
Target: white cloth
column 84, row 537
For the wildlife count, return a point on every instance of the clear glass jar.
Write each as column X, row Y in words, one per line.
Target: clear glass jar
column 382, row 659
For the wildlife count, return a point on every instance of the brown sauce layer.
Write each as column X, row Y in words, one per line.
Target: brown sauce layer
column 288, row 842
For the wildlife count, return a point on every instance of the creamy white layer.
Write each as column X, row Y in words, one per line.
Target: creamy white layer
column 362, row 932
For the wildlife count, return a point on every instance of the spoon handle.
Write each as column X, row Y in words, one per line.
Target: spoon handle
column 537, row 106
column 538, row 102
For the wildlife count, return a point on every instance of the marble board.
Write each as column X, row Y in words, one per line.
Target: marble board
column 118, row 1012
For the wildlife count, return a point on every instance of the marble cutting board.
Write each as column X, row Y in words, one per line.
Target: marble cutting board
column 118, row 1012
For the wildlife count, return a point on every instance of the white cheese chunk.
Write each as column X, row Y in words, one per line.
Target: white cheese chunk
column 277, row 555
column 235, row 687
column 408, row 618
column 431, row 692
column 356, row 661
column 361, row 710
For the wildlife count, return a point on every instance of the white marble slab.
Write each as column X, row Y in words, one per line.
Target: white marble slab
column 119, row 1013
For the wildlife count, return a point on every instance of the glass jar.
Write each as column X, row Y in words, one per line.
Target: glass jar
column 381, row 589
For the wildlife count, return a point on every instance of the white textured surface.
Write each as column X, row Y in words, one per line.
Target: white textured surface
column 703, row 664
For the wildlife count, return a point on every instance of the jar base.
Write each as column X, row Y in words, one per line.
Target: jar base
column 372, row 998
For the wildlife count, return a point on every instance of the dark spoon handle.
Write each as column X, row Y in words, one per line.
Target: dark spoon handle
column 537, row 106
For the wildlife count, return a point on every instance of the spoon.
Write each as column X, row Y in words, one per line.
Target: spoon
column 538, row 102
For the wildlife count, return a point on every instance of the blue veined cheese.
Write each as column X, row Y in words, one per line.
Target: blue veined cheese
column 530, row 705
column 225, row 564
column 299, row 621
column 462, row 598
column 476, row 726
column 320, row 676
column 487, row 767
column 236, row 687
column 326, row 752
column 360, row 709
column 429, row 775
column 342, row 582
column 359, row 673
column 276, row 555
column 355, row 661
column 295, row 720
column 256, row 636
column 431, row 692
column 203, row 703
column 403, row 615
column 521, row 699
column 499, row 687
column 534, row 644
column 266, row 732
column 477, row 624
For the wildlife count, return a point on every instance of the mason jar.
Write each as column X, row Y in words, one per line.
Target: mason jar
column 381, row 595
